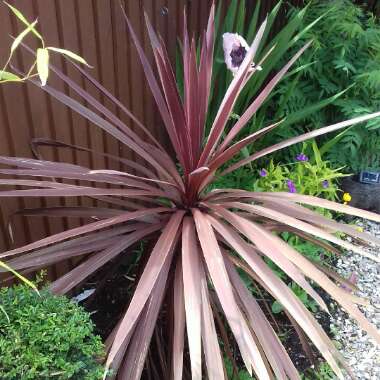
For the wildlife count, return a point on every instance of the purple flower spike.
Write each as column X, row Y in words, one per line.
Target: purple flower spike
column 302, row 157
column 263, row 173
column 291, row 186
column 325, row 184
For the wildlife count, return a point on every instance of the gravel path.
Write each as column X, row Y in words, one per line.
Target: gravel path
column 360, row 351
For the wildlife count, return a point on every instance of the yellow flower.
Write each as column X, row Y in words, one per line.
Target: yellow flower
column 360, row 229
column 347, row 197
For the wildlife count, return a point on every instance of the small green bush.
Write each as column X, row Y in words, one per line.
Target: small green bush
column 46, row 337
column 304, row 176
column 322, row 372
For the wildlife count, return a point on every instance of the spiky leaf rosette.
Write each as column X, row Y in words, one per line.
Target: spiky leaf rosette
column 203, row 237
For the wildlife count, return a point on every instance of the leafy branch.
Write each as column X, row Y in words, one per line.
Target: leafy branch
column 40, row 66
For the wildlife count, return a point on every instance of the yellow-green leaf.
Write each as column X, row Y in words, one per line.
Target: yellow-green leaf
column 70, row 54
column 6, row 76
column 18, row 275
column 21, row 36
column 43, row 65
column 21, row 17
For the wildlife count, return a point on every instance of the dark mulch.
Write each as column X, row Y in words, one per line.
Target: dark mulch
column 108, row 303
column 294, row 346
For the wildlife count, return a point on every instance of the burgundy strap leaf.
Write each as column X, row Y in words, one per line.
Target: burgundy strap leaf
column 71, row 279
column 179, row 323
column 263, row 242
column 105, row 125
column 214, row 362
column 300, row 225
column 312, row 201
column 91, row 100
column 230, row 99
column 192, row 292
column 160, row 101
column 229, row 153
column 283, row 294
column 71, row 212
column 159, row 258
column 271, row 344
column 134, row 361
column 95, row 226
column 77, row 191
column 103, row 176
column 36, row 143
column 347, row 301
column 303, row 213
column 74, row 247
column 42, row 260
column 298, row 139
column 215, row 264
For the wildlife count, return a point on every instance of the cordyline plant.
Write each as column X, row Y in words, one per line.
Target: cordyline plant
column 203, row 237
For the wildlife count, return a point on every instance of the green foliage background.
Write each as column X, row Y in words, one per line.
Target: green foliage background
column 344, row 56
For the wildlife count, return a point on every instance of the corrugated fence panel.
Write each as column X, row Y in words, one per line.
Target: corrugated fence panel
column 96, row 30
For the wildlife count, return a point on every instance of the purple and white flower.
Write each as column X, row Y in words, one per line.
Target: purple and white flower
column 263, row 173
column 302, row 157
column 235, row 49
column 325, row 184
column 291, row 186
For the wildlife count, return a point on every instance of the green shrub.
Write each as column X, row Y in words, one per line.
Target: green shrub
column 46, row 337
column 322, row 372
column 302, row 296
column 340, row 70
column 304, row 176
